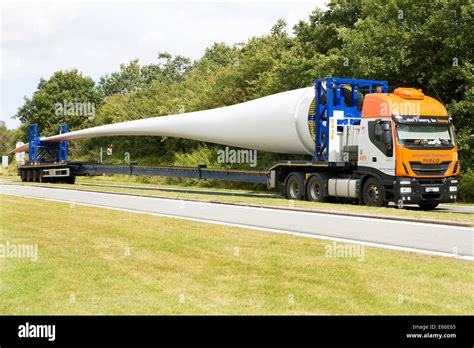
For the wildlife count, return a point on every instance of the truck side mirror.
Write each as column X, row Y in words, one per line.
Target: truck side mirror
column 385, row 126
column 387, row 136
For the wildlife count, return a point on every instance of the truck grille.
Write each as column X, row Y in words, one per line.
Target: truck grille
column 429, row 169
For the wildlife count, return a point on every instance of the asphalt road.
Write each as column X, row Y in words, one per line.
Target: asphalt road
column 442, row 208
column 422, row 237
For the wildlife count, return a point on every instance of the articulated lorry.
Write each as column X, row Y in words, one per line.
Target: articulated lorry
column 365, row 144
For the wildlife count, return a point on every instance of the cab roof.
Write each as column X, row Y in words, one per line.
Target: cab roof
column 404, row 102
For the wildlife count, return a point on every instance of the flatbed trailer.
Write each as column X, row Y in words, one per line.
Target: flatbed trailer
column 67, row 171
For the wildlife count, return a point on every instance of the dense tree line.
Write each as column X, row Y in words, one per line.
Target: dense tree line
column 422, row 44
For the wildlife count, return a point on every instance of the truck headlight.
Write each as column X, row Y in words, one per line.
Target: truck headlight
column 405, row 182
column 405, row 189
column 454, row 181
column 453, row 189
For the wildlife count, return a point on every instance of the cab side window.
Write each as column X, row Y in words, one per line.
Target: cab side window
column 380, row 134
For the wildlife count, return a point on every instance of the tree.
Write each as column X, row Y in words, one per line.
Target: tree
column 173, row 68
column 130, row 78
column 8, row 138
column 66, row 97
column 133, row 77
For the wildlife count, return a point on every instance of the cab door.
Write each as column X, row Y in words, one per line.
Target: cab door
column 376, row 148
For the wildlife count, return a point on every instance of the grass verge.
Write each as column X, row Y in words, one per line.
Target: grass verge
column 99, row 261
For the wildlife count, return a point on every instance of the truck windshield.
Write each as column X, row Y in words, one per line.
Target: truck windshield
column 425, row 135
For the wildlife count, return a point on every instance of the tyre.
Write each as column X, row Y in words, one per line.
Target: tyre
column 23, row 176
column 374, row 193
column 36, row 176
column 41, row 178
column 294, row 186
column 428, row 206
column 29, row 175
column 316, row 189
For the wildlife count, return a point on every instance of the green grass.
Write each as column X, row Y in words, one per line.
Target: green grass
column 463, row 204
column 99, row 261
column 334, row 207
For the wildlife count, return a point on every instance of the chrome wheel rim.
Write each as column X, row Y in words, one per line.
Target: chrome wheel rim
column 373, row 193
column 315, row 191
column 294, row 189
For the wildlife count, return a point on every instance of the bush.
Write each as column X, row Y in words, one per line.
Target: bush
column 466, row 186
column 203, row 155
column 10, row 170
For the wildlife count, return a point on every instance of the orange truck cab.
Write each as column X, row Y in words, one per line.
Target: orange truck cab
column 415, row 147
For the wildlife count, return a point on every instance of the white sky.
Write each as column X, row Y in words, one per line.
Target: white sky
column 39, row 38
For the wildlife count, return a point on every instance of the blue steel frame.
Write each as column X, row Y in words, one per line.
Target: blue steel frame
column 33, row 142
column 332, row 89
column 38, row 150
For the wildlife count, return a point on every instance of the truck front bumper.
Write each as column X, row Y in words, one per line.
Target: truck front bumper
column 416, row 190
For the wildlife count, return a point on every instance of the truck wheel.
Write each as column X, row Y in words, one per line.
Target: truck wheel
column 294, row 187
column 374, row 193
column 316, row 189
column 428, row 206
column 70, row 180
column 23, row 176
column 40, row 177
column 29, row 176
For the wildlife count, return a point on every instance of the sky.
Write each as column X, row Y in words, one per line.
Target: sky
column 39, row 38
